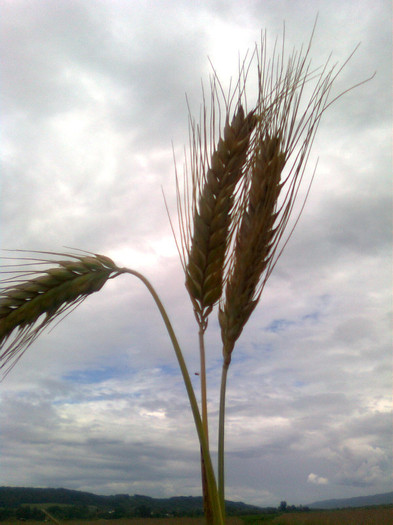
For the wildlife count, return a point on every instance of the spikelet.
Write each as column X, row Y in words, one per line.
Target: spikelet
column 33, row 294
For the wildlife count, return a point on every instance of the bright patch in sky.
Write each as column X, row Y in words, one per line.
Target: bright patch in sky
column 317, row 480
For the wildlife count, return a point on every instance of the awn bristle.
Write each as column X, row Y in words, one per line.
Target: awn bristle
column 49, row 293
column 213, row 206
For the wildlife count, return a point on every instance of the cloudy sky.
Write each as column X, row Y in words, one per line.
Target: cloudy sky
column 93, row 97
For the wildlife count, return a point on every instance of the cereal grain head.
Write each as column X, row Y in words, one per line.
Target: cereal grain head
column 32, row 298
column 291, row 101
column 214, row 186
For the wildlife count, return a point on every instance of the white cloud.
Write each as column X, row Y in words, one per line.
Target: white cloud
column 317, row 480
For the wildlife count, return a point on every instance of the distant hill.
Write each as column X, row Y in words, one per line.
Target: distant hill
column 362, row 501
column 12, row 497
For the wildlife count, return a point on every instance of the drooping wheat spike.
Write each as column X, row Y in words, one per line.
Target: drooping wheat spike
column 31, row 299
column 214, row 186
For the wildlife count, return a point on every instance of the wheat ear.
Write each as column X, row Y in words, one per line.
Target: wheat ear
column 213, row 199
column 32, row 294
column 254, row 241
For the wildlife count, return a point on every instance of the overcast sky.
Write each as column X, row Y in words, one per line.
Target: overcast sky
column 93, row 96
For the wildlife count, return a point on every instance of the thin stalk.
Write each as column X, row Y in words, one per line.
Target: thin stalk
column 218, row 518
column 207, row 505
column 203, row 381
column 221, row 437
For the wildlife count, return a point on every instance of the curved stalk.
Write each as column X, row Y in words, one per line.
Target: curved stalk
column 221, row 436
column 211, row 480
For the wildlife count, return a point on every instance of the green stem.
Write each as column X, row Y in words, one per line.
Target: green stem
column 203, row 383
column 211, row 481
column 207, row 504
column 221, row 436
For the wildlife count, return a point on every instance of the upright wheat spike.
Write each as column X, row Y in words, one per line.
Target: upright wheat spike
column 283, row 139
column 31, row 294
column 254, row 241
column 212, row 213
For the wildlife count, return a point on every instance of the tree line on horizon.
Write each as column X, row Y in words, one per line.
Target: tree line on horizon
column 24, row 504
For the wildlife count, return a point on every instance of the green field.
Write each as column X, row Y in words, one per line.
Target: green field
column 371, row 516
